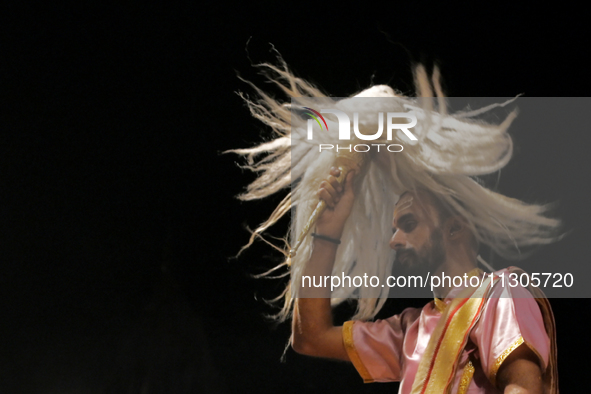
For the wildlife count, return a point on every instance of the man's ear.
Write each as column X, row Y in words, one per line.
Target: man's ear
column 455, row 227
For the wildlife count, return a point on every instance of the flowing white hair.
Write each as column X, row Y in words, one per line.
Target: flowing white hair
column 451, row 151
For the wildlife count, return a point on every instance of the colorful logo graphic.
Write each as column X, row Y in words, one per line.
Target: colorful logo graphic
column 315, row 118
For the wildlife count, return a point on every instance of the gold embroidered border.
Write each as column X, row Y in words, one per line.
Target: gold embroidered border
column 352, row 352
column 501, row 358
column 466, row 378
column 440, row 305
column 449, row 337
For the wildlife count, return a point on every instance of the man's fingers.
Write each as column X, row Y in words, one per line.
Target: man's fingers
column 324, row 195
column 349, row 182
column 335, row 183
column 331, row 190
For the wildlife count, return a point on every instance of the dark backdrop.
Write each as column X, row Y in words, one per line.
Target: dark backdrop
column 119, row 221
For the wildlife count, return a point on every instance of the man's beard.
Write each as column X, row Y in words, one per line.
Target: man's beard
column 427, row 259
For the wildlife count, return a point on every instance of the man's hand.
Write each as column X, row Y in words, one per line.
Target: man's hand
column 339, row 200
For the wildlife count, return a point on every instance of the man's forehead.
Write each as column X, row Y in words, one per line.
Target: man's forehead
column 404, row 204
column 413, row 202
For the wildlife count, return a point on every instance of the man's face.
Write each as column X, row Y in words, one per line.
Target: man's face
column 418, row 237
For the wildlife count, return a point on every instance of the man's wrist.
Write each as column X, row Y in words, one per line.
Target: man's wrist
column 334, row 232
column 323, row 237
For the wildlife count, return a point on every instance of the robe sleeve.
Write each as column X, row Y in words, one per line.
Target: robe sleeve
column 375, row 348
column 510, row 319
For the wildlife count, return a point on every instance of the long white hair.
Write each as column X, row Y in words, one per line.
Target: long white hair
column 451, row 151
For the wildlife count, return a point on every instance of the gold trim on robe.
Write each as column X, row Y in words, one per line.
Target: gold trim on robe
column 495, row 367
column 352, row 352
column 440, row 305
column 437, row 368
column 466, row 378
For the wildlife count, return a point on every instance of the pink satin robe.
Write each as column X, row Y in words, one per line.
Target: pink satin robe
column 391, row 349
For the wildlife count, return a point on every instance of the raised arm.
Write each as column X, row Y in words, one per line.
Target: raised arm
column 313, row 332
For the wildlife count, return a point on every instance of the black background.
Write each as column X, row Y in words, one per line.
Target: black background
column 119, row 221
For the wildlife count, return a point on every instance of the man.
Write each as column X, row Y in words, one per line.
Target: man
column 426, row 235
column 469, row 339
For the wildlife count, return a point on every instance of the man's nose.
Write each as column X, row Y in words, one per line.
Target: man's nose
column 398, row 241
